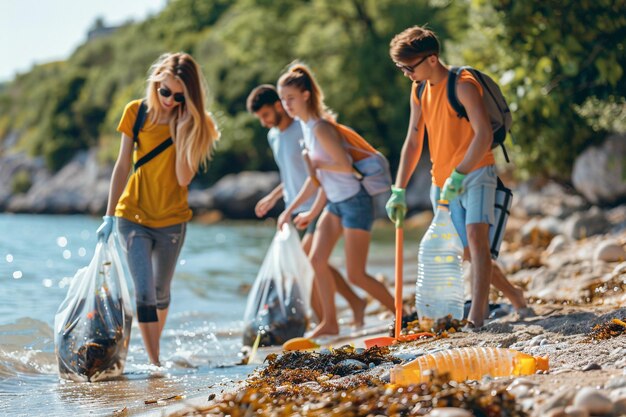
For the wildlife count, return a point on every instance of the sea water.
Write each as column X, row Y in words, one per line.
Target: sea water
column 201, row 342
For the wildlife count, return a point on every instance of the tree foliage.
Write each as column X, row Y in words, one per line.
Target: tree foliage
column 552, row 59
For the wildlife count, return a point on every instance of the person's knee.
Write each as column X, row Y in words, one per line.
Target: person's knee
column 317, row 261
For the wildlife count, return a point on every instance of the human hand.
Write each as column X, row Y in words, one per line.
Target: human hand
column 105, row 229
column 396, row 205
column 283, row 219
column 453, row 186
column 264, row 205
column 303, row 220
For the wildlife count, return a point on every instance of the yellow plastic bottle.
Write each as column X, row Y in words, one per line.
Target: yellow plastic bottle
column 466, row 363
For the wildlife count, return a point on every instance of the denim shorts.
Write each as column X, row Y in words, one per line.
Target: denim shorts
column 475, row 204
column 357, row 212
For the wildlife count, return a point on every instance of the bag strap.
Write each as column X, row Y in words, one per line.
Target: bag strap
column 456, row 105
column 154, row 152
column 139, row 122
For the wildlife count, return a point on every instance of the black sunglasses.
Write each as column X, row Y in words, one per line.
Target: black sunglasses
column 408, row 68
column 166, row 92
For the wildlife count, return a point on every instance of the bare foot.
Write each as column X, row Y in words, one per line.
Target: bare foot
column 359, row 313
column 325, row 329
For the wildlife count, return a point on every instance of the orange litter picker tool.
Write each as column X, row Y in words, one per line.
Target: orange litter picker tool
column 387, row 340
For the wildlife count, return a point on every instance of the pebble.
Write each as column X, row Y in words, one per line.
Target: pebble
column 619, row 406
column 572, row 411
column 560, row 399
column 596, row 402
column 616, row 382
column 592, row 367
column 536, row 341
column 609, row 251
column 521, row 381
column 520, row 391
column 557, row 412
column 450, row 412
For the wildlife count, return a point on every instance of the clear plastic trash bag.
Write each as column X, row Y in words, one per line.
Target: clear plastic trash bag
column 92, row 325
column 279, row 301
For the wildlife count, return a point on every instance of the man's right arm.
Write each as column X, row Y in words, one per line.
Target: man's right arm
column 413, row 145
column 269, row 201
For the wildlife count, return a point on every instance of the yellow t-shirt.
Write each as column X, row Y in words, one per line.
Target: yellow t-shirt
column 449, row 136
column 152, row 196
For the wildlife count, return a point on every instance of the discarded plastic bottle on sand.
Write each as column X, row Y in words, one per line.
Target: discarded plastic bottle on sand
column 439, row 286
column 466, row 363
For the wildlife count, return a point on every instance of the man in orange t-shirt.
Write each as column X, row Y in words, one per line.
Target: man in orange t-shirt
column 463, row 164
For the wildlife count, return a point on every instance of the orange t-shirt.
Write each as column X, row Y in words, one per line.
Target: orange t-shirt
column 152, row 196
column 449, row 136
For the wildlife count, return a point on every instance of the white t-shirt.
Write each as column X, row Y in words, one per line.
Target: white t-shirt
column 287, row 149
column 338, row 186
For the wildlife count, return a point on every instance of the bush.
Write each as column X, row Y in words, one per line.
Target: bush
column 21, row 182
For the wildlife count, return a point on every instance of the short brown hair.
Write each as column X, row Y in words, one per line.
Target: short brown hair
column 260, row 96
column 413, row 42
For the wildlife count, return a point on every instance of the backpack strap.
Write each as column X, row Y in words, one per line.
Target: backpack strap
column 456, row 105
column 139, row 122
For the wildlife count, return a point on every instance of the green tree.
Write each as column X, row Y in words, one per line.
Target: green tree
column 551, row 57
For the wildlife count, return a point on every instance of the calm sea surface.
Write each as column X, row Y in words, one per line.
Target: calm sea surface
column 201, row 341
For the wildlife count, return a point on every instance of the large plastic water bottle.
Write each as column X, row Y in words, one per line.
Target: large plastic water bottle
column 461, row 364
column 439, row 290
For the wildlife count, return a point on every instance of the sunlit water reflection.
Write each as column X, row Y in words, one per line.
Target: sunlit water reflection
column 201, row 341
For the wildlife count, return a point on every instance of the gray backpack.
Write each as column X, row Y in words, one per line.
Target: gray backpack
column 494, row 100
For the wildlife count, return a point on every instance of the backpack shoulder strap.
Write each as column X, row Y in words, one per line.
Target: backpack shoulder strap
column 420, row 90
column 140, row 120
column 456, row 105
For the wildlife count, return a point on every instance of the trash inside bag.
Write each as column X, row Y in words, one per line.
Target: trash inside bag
column 92, row 325
column 279, row 301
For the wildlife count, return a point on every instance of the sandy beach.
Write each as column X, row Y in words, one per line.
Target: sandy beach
column 577, row 289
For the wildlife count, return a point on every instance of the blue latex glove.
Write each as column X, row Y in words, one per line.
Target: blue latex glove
column 453, row 186
column 105, row 229
column 396, row 206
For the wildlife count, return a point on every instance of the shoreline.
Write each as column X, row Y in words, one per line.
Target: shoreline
column 572, row 284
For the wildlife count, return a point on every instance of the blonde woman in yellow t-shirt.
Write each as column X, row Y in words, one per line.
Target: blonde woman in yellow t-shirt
column 151, row 205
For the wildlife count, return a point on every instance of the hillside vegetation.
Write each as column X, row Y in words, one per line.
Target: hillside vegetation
column 560, row 64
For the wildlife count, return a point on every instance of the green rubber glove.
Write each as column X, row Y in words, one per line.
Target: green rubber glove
column 396, row 206
column 453, row 186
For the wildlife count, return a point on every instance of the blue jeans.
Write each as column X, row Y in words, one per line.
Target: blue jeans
column 475, row 204
column 357, row 212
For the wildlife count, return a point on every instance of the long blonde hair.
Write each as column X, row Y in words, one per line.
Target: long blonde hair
column 300, row 76
column 193, row 129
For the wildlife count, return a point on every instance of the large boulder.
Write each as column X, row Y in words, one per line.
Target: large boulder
column 600, row 172
column 31, row 170
column 81, row 186
column 546, row 198
column 235, row 195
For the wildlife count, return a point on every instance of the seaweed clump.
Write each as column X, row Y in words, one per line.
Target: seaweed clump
column 304, row 383
column 608, row 330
